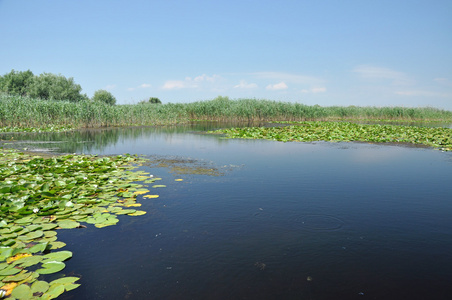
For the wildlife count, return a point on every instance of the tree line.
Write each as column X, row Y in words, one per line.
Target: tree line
column 49, row 86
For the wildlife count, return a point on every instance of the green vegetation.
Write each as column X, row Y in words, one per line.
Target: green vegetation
column 346, row 132
column 252, row 110
column 45, row 86
column 39, row 196
column 27, row 113
column 105, row 97
column 24, row 112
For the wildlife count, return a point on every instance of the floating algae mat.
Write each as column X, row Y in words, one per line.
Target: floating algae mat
column 39, row 196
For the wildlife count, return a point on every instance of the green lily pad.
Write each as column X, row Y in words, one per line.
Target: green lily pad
column 22, row 292
column 64, row 280
column 30, row 261
column 51, row 267
column 39, row 286
column 18, row 277
column 56, row 245
column 68, row 224
column 58, row 256
column 53, row 292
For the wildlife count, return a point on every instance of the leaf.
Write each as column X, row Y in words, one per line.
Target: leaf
column 159, row 186
column 151, row 196
column 22, row 292
column 39, row 286
column 68, row 224
column 141, row 192
column 57, row 245
column 137, row 213
column 58, row 256
column 51, row 267
column 64, row 280
column 53, row 292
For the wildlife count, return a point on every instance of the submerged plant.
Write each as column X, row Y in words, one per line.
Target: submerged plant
column 39, row 196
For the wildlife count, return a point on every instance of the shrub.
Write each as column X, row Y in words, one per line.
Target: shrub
column 55, row 87
column 154, row 100
column 104, row 96
column 16, row 82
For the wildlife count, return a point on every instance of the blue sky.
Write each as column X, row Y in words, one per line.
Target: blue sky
column 331, row 52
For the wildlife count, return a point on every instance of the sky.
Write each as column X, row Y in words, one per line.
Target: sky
column 325, row 52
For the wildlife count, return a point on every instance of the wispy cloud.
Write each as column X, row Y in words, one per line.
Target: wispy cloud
column 314, row 90
column 110, row 87
column 443, row 81
column 141, row 86
column 423, row 93
column 191, row 83
column 277, row 86
column 288, row 77
column 245, row 85
column 379, row 73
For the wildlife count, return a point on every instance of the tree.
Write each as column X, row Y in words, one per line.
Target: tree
column 154, row 100
column 16, row 82
column 55, row 87
column 104, row 96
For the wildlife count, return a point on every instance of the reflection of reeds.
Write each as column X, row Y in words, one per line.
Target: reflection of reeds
column 18, row 111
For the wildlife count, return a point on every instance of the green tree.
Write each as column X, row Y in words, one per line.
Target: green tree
column 104, row 96
column 16, row 82
column 154, row 100
column 55, row 87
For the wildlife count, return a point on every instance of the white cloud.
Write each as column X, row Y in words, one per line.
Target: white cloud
column 288, row 77
column 314, row 90
column 443, row 81
column 277, row 86
column 245, row 85
column 110, row 87
column 174, row 85
column 191, row 83
column 422, row 93
column 376, row 73
column 141, row 86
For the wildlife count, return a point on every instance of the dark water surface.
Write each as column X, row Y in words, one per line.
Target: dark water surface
column 274, row 221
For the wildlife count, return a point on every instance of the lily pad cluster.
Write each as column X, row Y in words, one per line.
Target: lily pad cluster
column 345, row 131
column 40, row 195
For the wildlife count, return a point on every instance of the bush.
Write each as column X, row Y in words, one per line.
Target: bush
column 16, row 83
column 104, row 96
column 154, row 100
column 55, row 87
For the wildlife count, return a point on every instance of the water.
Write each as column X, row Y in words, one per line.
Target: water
column 278, row 221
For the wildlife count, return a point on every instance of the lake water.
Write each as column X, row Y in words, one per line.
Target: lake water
column 268, row 220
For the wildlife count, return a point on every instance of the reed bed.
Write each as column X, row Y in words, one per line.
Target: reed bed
column 23, row 112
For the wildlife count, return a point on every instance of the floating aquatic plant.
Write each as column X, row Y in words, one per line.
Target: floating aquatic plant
column 346, row 132
column 39, row 196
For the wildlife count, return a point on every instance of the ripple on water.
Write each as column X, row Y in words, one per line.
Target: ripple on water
column 317, row 222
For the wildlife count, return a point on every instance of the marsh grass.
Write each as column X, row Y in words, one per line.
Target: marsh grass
column 23, row 112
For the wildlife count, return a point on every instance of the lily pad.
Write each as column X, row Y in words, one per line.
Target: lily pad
column 57, row 256
column 22, row 292
column 39, row 286
column 68, row 224
column 51, row 267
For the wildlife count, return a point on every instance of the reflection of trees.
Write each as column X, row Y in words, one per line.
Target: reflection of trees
column 96, row 140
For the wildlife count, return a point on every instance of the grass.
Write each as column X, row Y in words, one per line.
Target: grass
column 27, row 114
